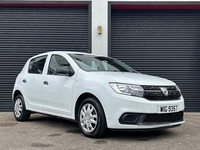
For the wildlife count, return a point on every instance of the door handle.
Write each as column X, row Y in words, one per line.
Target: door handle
column 24, row 80
column 45, row 83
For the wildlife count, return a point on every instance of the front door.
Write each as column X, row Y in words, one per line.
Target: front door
column 57, row 89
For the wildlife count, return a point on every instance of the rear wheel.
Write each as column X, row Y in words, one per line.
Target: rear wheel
column 20, row 112
column 91, row 118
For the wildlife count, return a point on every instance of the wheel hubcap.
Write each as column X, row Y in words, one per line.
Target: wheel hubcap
column 18, row 108
column 88, row 118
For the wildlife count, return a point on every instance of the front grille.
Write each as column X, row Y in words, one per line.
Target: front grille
column 164, row 118
column 155, row 93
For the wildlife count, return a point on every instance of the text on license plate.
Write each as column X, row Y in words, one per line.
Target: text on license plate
column 168, row 108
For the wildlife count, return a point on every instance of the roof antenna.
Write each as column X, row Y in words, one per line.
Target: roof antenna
column 86, row 48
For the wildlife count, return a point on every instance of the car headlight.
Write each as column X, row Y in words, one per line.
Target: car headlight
column 128, row 89
column 178, row 89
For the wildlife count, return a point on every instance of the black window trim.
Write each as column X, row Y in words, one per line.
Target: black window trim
column 33, row 59
column 49, row 64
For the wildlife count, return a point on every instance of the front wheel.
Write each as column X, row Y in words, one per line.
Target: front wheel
column 91, row 118
column 20, row 112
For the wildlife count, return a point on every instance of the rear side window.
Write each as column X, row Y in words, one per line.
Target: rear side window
column 37, row 64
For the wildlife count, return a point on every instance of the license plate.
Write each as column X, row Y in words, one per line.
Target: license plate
column 168, row 108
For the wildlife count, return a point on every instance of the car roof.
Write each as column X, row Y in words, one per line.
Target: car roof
column 67, row 52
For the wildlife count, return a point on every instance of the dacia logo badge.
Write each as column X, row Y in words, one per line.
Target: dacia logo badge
column 164, row 91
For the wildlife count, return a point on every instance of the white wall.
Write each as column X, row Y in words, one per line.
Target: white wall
column 100, row 18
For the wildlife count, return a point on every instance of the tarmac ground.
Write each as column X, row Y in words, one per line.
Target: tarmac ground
column 50, row 133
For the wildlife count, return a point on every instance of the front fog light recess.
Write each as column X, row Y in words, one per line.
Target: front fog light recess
column 128, row 89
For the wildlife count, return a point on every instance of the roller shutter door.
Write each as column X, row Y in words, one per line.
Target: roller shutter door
column 26, row 31
column 164, row 43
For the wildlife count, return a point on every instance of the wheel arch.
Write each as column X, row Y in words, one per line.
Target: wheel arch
column 81, row 98
column 17, row 92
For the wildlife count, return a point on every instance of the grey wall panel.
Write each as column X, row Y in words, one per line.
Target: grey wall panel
column 26, row 31
column 163, row 43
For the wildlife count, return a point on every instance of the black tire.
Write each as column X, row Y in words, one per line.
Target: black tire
column 19, row 109
column 92, row 122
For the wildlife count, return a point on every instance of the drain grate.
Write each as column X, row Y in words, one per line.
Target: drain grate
column 8, row 124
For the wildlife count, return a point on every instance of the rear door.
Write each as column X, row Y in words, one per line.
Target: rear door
column 32, row 81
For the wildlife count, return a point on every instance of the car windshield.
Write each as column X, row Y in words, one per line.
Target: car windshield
column 100, row 63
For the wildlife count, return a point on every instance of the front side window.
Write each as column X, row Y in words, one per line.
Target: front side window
column 55, row 62
column 36, row 65
column 100, row 63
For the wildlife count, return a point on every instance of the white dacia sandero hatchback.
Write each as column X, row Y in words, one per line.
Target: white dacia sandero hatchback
column 98, row 92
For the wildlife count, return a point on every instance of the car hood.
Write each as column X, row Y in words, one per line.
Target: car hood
column 135, row 78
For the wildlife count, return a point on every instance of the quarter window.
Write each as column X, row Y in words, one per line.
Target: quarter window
column 36, row 65
column 55, row 62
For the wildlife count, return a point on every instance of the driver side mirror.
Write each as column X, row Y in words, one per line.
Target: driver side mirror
column 65, row 70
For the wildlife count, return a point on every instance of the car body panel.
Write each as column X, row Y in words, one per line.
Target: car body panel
column 135, row 78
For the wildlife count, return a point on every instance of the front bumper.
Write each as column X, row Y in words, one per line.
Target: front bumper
column 151, row 119
column 114, row 124
column 129, row 112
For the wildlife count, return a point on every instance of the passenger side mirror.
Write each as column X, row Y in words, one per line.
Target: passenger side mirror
column 65, row 70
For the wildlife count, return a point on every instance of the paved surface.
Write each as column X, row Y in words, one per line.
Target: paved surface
column 49, row 133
